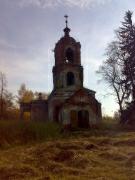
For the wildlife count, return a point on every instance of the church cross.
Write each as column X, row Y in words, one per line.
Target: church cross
column 66, row 16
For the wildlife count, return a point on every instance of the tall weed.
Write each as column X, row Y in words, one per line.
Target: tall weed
column 22, row 132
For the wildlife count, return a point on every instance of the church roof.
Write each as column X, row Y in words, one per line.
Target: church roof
column 67, row 36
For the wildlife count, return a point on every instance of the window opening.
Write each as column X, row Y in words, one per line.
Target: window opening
column 69, row 55
column 70, row 78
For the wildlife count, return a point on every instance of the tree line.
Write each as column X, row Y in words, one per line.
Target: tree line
column 10, row 104
column 118, row 70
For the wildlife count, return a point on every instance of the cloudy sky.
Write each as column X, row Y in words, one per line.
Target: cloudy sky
column 29, row 30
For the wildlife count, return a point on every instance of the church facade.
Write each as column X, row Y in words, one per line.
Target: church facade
column 69, row 103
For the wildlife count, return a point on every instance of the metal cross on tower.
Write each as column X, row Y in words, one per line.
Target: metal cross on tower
column 66, row 16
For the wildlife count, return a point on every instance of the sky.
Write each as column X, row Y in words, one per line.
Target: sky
column 29, row 30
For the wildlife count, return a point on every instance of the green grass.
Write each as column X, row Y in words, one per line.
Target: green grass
column 22, row 132
column 39, row 151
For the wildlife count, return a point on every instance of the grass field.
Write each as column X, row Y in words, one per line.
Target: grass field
column 38, row 151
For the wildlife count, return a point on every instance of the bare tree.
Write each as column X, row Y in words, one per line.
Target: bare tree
column 111, row 73
column 3, row 85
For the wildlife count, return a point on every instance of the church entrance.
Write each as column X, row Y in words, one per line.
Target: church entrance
column 83, row 119
column 56, row 113
column 73, row 119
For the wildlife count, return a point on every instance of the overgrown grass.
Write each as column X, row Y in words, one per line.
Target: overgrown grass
column 39, row 151
column 23, row 132
column 111, row 124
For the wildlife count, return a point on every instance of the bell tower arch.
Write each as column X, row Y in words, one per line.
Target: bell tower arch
column 69, row 55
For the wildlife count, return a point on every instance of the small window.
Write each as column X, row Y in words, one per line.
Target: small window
column 69, row 55
column 70, row 78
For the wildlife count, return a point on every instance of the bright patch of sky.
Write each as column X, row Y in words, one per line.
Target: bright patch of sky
column 29, row 30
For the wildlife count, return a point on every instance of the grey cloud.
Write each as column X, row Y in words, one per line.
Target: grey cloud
column 82, row 4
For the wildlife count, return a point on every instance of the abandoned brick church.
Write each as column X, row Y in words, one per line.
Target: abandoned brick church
column 69, row 103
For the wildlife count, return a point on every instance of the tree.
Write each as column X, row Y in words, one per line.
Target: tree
column 24, row 95
column 118, row 71
column 126, row 37
column 3, row 85
column 8, row 105
column 6, row 99
column 111, row 73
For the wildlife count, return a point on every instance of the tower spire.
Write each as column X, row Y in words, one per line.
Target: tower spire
column 66, row 16
column 66, row 30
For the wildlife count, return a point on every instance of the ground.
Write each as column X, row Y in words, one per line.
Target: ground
column 104, row 154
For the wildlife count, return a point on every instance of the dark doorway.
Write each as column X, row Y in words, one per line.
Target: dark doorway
column 83, row 119
column 70, row 78
column 69, row 55
column 56, row 113
column 73, row 119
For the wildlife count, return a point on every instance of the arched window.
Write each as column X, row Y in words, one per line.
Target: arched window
column 69, row 55
column 70, row 78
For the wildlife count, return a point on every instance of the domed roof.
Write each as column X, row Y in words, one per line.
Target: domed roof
column 66, row 37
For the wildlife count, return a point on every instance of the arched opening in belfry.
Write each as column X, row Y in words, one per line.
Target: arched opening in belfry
column 69, row 55
column 70, row 78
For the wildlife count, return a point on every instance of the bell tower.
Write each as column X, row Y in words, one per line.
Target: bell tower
column 67, row 71
column 70, row 103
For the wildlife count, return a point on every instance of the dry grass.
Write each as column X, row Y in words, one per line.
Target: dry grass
column 105, row 154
